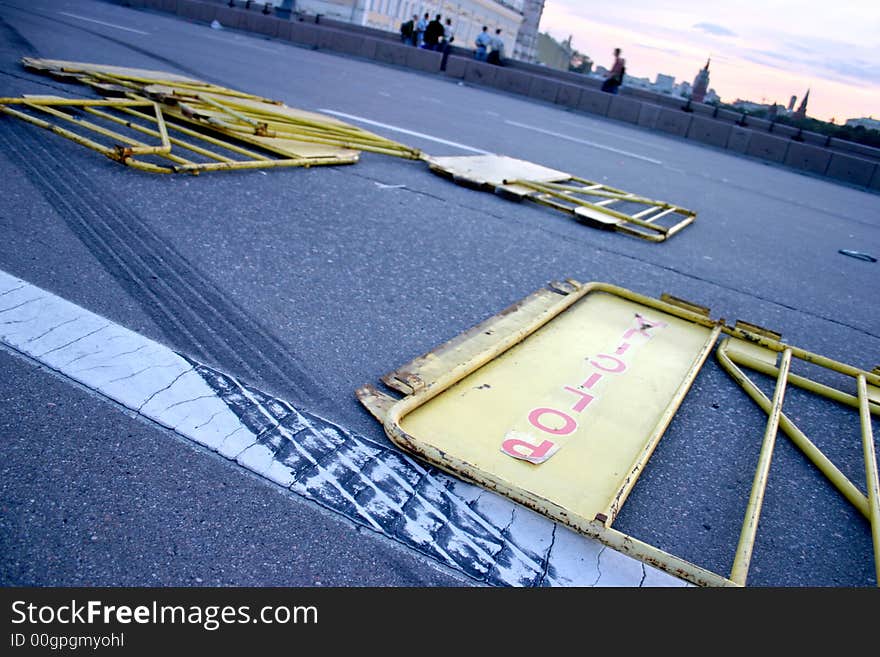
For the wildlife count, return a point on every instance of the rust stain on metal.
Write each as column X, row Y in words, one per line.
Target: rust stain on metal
column 759, row 330
column 685, row 304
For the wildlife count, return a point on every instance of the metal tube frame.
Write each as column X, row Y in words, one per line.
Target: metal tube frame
column 125, row 148
column 566, row 198
column 743, row 558
column 871, row 475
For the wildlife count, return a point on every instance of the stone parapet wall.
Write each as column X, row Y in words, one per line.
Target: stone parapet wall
column 835, row 159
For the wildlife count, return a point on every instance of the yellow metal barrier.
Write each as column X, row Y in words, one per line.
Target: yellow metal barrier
column 587, row 201
column 559, row 401
column 222, row 117
column 126, row 148
column 304, row 138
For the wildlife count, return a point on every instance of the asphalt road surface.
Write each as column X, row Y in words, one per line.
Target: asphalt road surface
column 337, row 275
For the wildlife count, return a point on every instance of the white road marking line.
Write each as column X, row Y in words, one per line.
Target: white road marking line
column 151, row 379
column 92, row 20
column 584, row 142
column 240, row 42
column 413, row 133
column 591, row 128
column 120, row 364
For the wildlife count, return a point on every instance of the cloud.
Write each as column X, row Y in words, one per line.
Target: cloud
column 798, row 47
column 712, row 28
column 770, row 61
column 852, row 70
column 857, row 70
column 770, row 54
column 671, row 51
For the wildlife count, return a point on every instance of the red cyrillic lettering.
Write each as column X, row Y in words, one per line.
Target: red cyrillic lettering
column 583, row 402
column 643, row 324
column 535, row 420
column 619, row 365
column 520, row 449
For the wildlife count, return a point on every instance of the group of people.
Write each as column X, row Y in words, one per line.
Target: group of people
column 429, row 34
column 434, row 35
column 490, row 47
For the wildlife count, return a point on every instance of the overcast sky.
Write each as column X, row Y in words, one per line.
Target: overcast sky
column 762, row 50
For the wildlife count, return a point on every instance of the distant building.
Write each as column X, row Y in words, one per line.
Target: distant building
column 869, row 123
column 553, row 54
column 526, row 46
column 801, row 112
column 791, row 103
column 771, row 110
column 664, row 84
column 639, row 83
column 683, row 89
column 581, row 63
column 701, row 84
column 712, row 97
column 749, row 106
column 468, row 16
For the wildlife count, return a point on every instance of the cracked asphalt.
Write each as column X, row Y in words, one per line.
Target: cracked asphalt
column 92, row 496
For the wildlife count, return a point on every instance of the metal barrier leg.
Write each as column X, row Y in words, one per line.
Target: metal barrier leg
column 873, row 481
column 744, row 550
column 816, row 456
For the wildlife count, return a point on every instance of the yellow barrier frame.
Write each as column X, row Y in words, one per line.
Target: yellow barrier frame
column 300, row 138
column 575, row 197
column 126, row 149
column 433, row 373
column 263, row 123
column 589, row 202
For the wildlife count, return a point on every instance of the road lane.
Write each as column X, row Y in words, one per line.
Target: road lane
column 354, row 278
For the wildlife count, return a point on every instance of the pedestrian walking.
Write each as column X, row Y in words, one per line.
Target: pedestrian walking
column 448, row 38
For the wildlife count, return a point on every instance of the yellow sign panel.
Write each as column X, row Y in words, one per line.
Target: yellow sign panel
column 566, row 414
column 493, row 170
